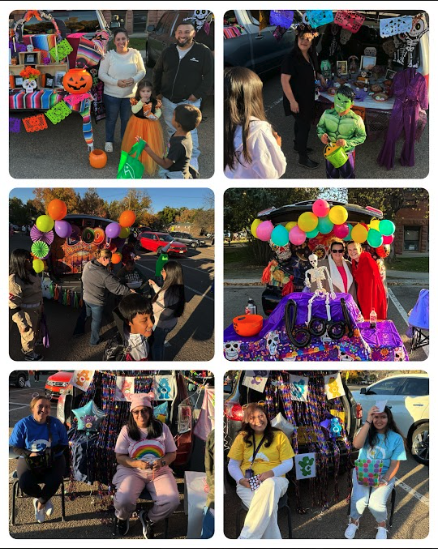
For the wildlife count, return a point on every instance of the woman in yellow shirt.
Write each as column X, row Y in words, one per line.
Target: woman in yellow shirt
column 260, row 457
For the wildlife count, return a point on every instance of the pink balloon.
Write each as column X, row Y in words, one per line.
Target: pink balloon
column 297, row 236
column 341, row 231
column 320, row 207
column 388, row 239
column 264, row 230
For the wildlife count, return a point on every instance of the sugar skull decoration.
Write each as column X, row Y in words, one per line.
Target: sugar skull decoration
column 283, row 253
column 77, row 81
column 272, row 342
column 30, row 76
column 199, row 18
column 232, row 349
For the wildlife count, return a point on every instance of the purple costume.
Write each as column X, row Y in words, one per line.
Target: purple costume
column 410, row 90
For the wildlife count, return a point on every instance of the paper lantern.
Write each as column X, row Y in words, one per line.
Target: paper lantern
column 338, row 215
column 341, row 231
column 57, row 209
column 325, row 226
column 127, row 218
column 307, row 222
column 254, row 226
column 386, row 227
column 264, row 230
column 280, row 236
column 63, row 229
column 297, row 236
column 44, row 223
column 374, row 238
column 359, row 233
column 321, row 207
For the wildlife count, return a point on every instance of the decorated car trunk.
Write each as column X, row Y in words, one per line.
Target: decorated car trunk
column 316, row 411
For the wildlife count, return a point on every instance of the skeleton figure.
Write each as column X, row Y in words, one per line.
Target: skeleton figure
column 199, row 18
column 318, row 274
column 272, row 341
column 406, row 43
column 232, row 349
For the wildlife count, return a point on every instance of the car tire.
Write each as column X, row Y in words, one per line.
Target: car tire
column 193, row 245
column 420, row 444
column 21, row 381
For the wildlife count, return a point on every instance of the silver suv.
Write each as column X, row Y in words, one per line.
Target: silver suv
column 186, row 238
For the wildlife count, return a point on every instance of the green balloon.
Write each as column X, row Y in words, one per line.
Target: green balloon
column 348, row 237
column 313, row 233
column 44, row 223
column 374, row 238
column 325, row 226
column 386, row 227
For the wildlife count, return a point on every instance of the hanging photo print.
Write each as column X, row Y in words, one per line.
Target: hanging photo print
column 163, row 388
column 256, row 379
column 299, row 387
column 82, row 378
column 305, row 466
column 333, row 386
column 124, row 388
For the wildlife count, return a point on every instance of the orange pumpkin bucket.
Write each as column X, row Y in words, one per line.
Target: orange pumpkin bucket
column 98, row 158
column 247, row 325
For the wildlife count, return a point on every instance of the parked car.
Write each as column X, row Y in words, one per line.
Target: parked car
column 162, row 35
column 56, row 384
column 138, row 230
column 69, row 22
column 155, row 242
column 187, row 238
column 18, row 378
column 407, row 396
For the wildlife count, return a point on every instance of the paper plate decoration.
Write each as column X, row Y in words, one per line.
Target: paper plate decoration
column 38, row 265
column 127, row 218
column 99, row 236
column 88, row 235
column 57, row 209
column 63, row 229
column 368, row 471
column 36, row 234
column 89, row 417
column 44, row 223
column 40, row 249
column 317, row 18
column 147, row 450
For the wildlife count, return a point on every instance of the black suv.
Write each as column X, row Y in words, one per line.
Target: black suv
column 186, row 238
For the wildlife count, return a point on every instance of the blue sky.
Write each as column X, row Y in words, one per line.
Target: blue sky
column 173, row 197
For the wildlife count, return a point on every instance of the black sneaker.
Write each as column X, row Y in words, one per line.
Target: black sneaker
column 122, row 527
column 147, row 525
column 308, row 150
column 32, row 356
column 306, row 162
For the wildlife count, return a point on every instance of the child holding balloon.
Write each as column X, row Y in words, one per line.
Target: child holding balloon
column 25, row 301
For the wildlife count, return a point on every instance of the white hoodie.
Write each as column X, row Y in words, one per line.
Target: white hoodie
column 268, row 160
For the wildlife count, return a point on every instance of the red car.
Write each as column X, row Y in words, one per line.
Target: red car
column 57, row 383
column 155, row 242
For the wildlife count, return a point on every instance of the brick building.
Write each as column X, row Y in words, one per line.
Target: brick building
column 412, row 229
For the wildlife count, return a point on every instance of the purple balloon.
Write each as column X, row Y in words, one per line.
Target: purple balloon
column 113, row 230
column 63, row 229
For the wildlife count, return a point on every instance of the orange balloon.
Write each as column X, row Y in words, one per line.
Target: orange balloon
column 127, row 218
column 116, row 258
column 57, row 209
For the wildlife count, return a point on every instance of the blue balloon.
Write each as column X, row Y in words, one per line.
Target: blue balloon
column 280, row 236
column 325, row 226
column 313, row 233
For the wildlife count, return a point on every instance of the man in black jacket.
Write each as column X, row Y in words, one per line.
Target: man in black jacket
column 183, row 74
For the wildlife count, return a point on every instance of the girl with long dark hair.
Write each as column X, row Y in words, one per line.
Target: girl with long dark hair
column 378, row 439
column 25, row 301
column 168, row 305
column 252, row 148
column 260, row 457
column 299, row 70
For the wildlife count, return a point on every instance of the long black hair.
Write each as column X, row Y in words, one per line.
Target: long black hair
column 154, row 427
column 390, row 426
column 147, row 84
column 248, row 431
column 17, row 265
column 174, row 288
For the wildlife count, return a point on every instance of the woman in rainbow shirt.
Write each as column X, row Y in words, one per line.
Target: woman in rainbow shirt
column 144, row 450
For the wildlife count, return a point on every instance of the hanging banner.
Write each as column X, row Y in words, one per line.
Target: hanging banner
column 299, row 387
column 333, row 386
column 395, row 25
column 205, row 423
column 281, row 18
column 256, row 379
column 349, row 20
column 163, row 388
column 317, row 18
column 81, row 379
column 125, row 387
column 35, row 123
column 305, row 466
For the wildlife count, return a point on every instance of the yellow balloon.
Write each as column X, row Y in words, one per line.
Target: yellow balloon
column 359, row 233
column 254, row 226
column 338, row 215
column 375, row 223
column 290, row 225
column 307, row 222
column 38, row 265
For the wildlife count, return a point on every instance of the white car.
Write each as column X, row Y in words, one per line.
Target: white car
column 408, row 398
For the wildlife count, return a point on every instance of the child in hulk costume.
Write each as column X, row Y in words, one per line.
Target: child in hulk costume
column 343, row 127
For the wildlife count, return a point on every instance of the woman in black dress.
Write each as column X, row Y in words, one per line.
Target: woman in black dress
column 299, row 71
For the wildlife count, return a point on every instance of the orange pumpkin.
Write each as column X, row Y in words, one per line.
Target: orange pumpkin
column 98, row 158
column 77, row 81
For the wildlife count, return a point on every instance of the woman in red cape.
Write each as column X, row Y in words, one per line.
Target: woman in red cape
column 370, row 290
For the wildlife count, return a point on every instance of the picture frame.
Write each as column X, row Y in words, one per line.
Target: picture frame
column 50, row 81
column 390, row 74
column 30, row 58
column 18, row 81
column 59, row 75
column 341, row 68
column 368, row 62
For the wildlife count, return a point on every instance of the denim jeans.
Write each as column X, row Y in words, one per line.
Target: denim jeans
column 113, row 107
column 375, row 499
column 158, row 343
column 96, row 312
column 168, row 108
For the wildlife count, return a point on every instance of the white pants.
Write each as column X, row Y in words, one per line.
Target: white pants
column 261, row 519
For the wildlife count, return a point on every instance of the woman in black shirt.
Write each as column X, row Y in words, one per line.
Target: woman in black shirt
column 298, row 73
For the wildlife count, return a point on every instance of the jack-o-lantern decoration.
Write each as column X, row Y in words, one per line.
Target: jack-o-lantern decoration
column 77, row 81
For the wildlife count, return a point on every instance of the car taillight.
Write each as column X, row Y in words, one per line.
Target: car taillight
column 233, row 411
column 359, row 411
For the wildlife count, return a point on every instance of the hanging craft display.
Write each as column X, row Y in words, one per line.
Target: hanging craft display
column 36, row 234
column 14, row 125
column 89, row 417
column 40, row 249
column 281, row 18
column 125, row 388
column 81, row 379
column 35, row 123
column 200, row 18
column 305, row 466
column 164, row 388
column 299, row 387
column 256, row 379
column 395, row 25
column 349, row 20
column 58, row 112
column 317, row 18
column 280, row 422
column 161, row 412
column 60, row 51
column 333, row 386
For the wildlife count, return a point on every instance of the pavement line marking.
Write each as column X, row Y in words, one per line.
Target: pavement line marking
column 188, row 287
column 19, row 406
column 404, row 315
column 274, row 104
column 411, row 491
column 192, row 268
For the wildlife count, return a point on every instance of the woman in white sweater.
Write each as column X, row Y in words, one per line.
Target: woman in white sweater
column 120, row 71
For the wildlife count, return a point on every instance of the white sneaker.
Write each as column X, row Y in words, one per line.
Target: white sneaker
column 382, row 533
column 350, row 532
column 39, row 515
column 108, row 147
column 49, row 508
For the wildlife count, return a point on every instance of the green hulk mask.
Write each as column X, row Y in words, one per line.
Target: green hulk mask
column 342, row 103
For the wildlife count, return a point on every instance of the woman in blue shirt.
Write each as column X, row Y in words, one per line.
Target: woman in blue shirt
column 378, row 439
column 40, row 440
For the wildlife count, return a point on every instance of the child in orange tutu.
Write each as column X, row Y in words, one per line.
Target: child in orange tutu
column 144, row 122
